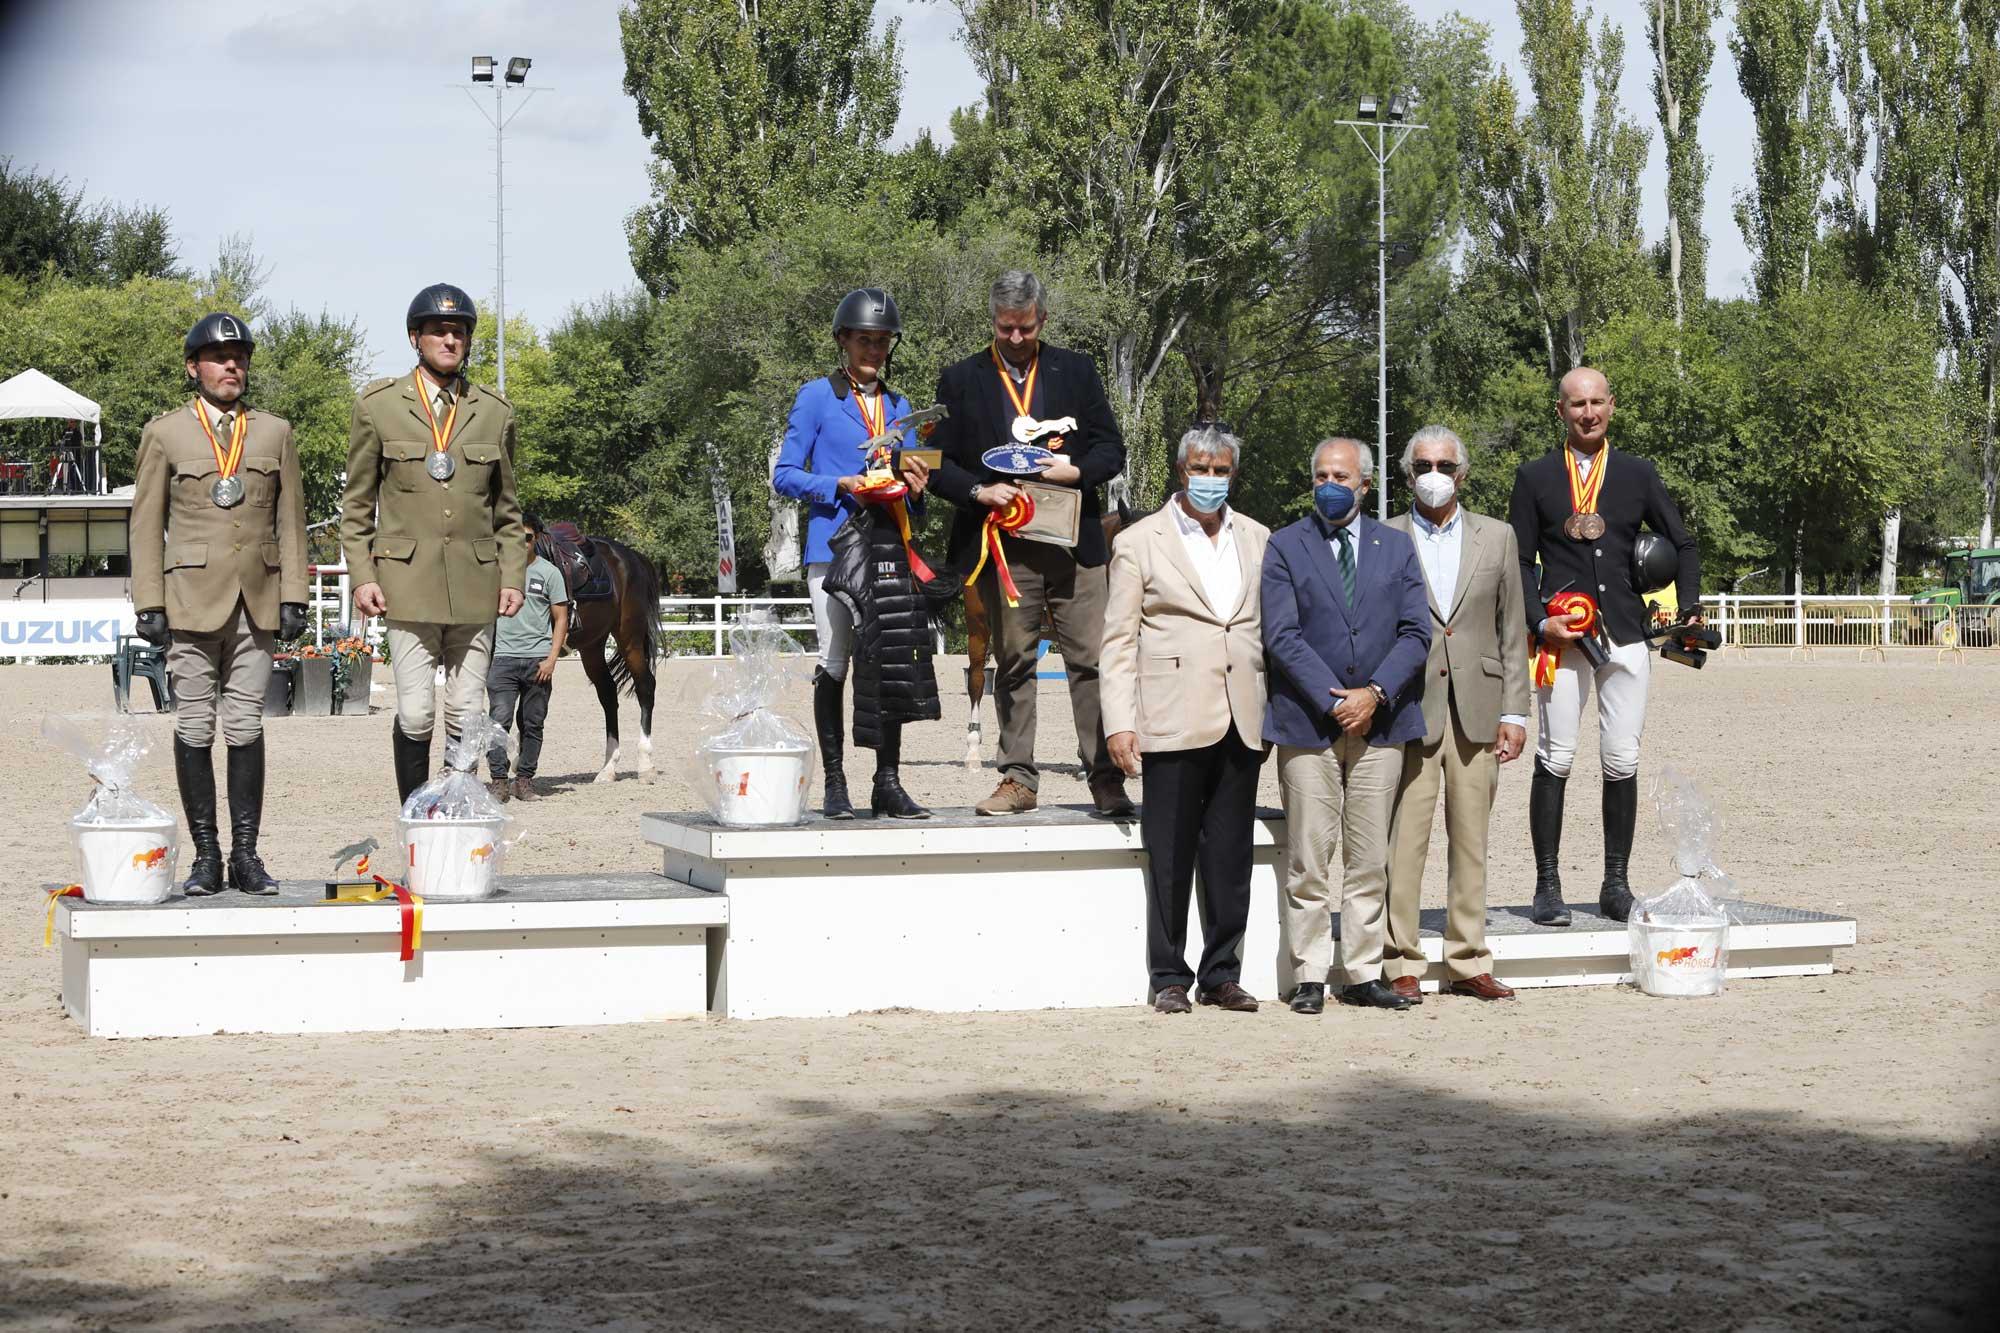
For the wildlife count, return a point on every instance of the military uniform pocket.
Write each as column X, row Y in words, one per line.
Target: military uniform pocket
column 186, row 555
column 480, row 460
column 271, row 558
column 486, row 550
column 260, row 481
column 403, row 464
column 393, row 548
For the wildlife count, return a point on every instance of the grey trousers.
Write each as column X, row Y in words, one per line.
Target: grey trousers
column 223, row 674
column 1048, row 577
column 416, row 650
column 512, row 690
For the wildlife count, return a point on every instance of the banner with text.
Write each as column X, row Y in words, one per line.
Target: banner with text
column 75, row 628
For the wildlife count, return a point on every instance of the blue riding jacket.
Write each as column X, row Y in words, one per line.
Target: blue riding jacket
column 823, row 439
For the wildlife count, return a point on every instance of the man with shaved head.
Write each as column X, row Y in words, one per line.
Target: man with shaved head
column 1578, row 510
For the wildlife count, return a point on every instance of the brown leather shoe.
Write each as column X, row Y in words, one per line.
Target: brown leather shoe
column 524, row 790
column 1108, row 795
column 1229, row 995
column 1173, row 1000
column 1482, row 987
column 500, row 789
column 1009, row 798
column 1407, row 987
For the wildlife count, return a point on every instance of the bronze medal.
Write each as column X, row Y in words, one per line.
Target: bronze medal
column 1573, row 527
column 1591, row 526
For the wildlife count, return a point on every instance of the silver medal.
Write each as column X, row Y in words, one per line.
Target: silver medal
column 227, row 492
column 1025, row 428
column 441, row 466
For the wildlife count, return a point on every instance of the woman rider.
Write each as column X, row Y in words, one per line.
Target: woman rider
column 823, row 461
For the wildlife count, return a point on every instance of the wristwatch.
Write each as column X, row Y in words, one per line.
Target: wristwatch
column 1381, row 695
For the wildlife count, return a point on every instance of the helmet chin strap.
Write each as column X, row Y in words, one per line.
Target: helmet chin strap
column 220, row 404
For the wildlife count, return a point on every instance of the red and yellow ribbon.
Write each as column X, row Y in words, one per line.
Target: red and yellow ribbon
column 888, row 492
column 49, row 925
column 1563, row 604
column 1023, row 397
column 1583, row 494
column 410, row 913
column 229, row 460
column 1016, row 514
column 440, row 439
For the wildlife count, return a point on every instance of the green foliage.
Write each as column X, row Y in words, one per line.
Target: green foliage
column 305, row 369
column 1785, row 75
column 544, row 402
column 48, row 228
column 755, row 114
column 1677, row 31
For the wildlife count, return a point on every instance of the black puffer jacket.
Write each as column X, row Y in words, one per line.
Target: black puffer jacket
column 891, row 666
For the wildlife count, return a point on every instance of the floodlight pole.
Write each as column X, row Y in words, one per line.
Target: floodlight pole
column 499, row 120
column 1381, row 150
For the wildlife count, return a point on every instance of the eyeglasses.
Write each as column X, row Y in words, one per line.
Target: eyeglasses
column 1419, row 466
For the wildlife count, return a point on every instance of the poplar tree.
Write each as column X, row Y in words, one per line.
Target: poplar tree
column 1683, row 53
column 1783, row 69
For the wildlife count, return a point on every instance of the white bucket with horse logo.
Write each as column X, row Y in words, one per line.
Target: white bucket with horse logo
column 453, row 858
column 126, row 860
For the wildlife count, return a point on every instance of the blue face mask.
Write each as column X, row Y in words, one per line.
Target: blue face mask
column 1333, row 500
column 1207, row 494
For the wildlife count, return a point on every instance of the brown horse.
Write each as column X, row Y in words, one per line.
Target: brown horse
column 630, row 619
column 979, row 637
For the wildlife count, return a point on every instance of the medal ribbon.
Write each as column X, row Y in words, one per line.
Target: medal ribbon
column 441, row 439
column 1025, row 395
column 1011, row 517
column 225, row 462
column 1543, row 669
column 896, row 489
column 49, row 925
column 1583, row 494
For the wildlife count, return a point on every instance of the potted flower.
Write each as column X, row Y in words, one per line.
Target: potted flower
column 313, row 696
column 353, row 675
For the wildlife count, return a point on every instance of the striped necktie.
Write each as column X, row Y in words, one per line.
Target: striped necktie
column 1345, row 539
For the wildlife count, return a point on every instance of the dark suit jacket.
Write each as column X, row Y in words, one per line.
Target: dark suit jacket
column 982, row 418
column 1315, row 643
column 1633, row 493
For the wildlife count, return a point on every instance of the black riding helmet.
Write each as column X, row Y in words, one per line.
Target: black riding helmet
column 874, row 310
column 1655, row 563
column 441, row 300
column 212, row 330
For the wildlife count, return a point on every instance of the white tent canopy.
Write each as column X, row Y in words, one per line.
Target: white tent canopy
column 33, row 394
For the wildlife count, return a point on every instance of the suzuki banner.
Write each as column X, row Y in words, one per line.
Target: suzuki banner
column 78, row 628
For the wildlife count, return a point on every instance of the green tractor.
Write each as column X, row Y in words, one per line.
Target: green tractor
column 1970, row 598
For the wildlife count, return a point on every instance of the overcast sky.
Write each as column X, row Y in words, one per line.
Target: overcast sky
column 337, row 135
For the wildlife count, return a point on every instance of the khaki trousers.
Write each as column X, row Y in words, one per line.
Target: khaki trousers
column 1047, row 576
column 232, row 664
column 1339, row 799
column 416, row 650
column 1469, row 776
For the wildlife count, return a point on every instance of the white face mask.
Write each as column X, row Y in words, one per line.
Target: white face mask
column 1435, row 489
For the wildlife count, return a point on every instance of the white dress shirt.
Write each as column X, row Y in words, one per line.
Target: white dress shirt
column 1214, row 559
column 1438, row 548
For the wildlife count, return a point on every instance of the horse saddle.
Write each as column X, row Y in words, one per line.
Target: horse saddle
column 582, row 564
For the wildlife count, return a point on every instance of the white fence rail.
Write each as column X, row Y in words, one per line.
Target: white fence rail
column 1803, row 621
column 682, row 619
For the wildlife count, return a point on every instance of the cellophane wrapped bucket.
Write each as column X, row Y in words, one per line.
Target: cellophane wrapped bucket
column 1679, row 939
column 127, row 848
column 754, row 764
column 454, row 832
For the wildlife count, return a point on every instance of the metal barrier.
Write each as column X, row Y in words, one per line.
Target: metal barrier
column 1802, row 622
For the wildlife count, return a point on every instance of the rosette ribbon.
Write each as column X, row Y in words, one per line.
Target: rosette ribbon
column 49, row 922
column 888, row 492
column 1016, row 514
column 1561, row 605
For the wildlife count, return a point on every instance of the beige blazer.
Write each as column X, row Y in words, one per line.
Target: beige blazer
column 1174, row 669
column 442, row 550
column 1479, row 653
column 195, row 559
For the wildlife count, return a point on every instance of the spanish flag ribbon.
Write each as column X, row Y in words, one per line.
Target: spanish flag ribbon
column 1010, row 517
column 411, row 913
column 1583, row 494
column 49, row 925
column 888, row 492
column 1563, row 604
column 228, row 460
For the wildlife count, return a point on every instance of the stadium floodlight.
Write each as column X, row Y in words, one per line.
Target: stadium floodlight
column 517, row 69
column 1367, row 109
column 516, row 74
column 482, row 69
column 1398, row 106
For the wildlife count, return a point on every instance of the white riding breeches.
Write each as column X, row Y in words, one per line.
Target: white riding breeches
column 1621, row 709
column 833, row 622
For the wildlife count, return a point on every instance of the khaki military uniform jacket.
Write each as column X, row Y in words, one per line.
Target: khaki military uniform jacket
column 442, row 550
column 197, row 559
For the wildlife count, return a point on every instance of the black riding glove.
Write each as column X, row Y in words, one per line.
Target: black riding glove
column 153, row 627
column 291, row 620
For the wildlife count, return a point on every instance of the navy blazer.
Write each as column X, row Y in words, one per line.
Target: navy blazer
column 823, row 439
column 982, row 418
column 1313, row 643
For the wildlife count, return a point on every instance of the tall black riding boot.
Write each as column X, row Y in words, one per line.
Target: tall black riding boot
column 889, row 797
column 1545, row 826
column 413, row 762
column 828, row 722
column 246, row 814
column 1621, row 812
column 195, row 773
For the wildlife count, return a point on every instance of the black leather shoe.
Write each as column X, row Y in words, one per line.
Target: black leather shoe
column 1229, row 995
column 246, row 814
column 827, row 721
column 1621, row 813
column 1373, row 995
column 195, row 774
column 1545, row 825
column 1309, row 998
